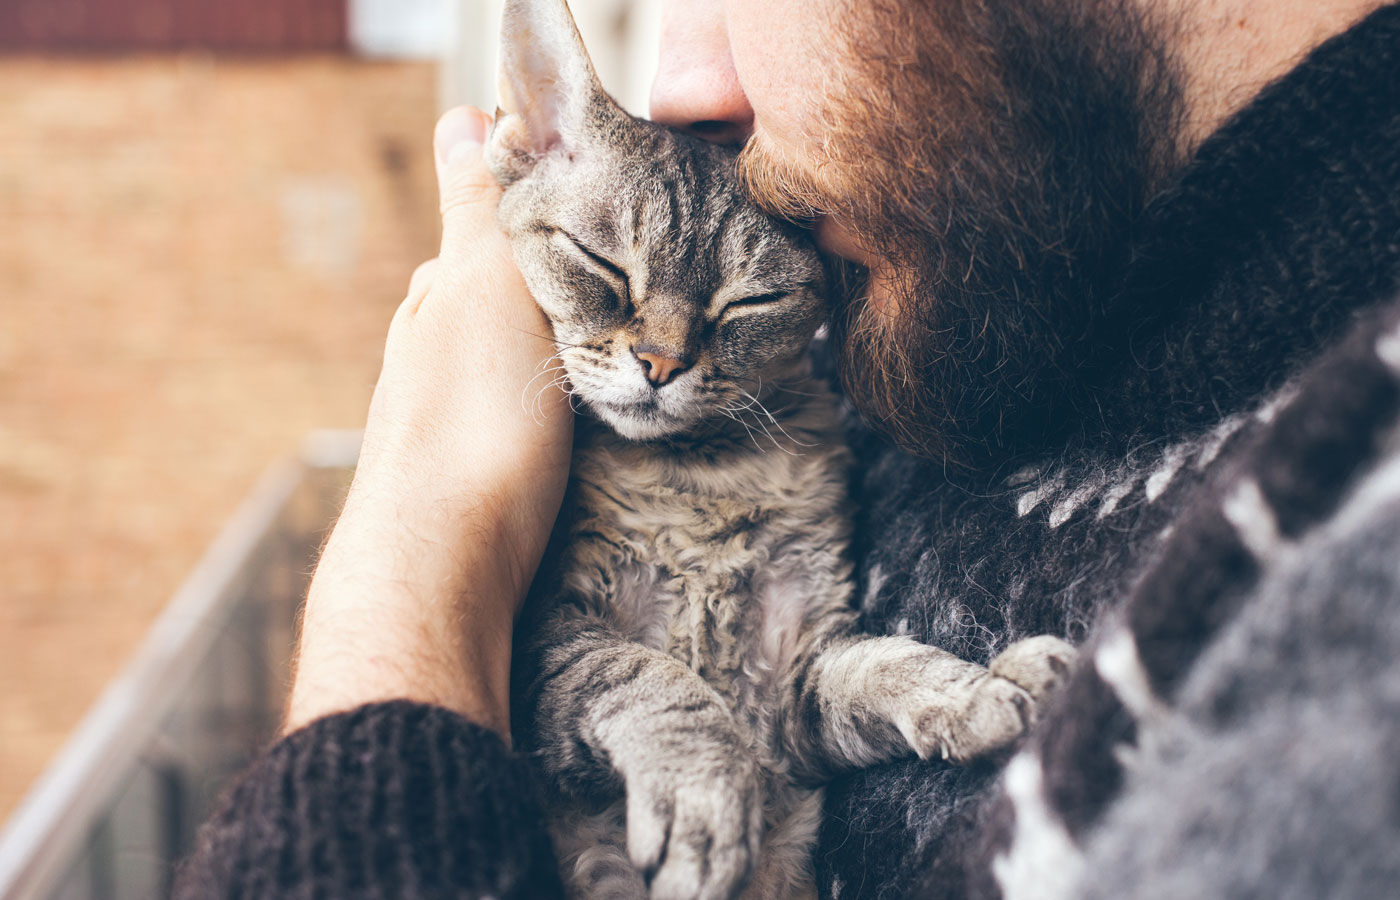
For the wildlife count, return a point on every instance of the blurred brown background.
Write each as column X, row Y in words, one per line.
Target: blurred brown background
column 198, row 257
column 208, row 213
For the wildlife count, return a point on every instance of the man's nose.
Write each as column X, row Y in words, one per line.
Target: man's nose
column 696, row 88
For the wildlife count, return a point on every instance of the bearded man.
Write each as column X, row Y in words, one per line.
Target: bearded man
column 1124, row 342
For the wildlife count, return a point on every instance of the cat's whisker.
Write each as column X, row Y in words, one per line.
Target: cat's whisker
column 536, row 406
column 749, row 408
column 552, row 339
column 778, row 424
column 560, row 375
column 571, row 391
column 781, row 384
column 774, row 420
column 532, row 405
column 730, row 414
column 776, row 442
column 556, row 371
column 563, row 384
column 759, row 422
column 746, row 406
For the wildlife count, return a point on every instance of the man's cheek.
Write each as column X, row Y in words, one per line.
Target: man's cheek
column 780, row 50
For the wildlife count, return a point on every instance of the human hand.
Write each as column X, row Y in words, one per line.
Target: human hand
column 460, row 478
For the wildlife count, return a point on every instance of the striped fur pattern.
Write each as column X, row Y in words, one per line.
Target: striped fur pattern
column 691, row 665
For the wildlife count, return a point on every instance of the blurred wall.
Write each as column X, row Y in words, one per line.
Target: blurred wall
column 200, row 255
column 127, row 25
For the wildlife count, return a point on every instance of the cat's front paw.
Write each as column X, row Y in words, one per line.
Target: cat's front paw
column 1037, row 665
column 694, row 832
column 990, row 715
column 997, row 707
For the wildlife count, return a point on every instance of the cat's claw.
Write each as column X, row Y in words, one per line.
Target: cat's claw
column 1037, row 665
column 999, row 707
column 995, row 714
column 695, row 836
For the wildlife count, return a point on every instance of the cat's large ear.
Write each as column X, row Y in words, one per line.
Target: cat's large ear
column 550, row 95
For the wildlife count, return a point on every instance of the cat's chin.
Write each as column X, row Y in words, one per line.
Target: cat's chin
column 639, row 424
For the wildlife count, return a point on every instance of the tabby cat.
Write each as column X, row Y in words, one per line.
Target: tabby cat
column 691, row 671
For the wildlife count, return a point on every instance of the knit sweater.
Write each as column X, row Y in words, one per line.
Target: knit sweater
column 1249, row 404
column 392, row 800
column 1220, row 532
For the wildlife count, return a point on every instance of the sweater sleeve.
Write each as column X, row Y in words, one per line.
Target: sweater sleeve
column 394, row 800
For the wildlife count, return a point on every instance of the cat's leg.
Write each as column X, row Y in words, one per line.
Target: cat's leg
column 606, row 709
column 855, row 701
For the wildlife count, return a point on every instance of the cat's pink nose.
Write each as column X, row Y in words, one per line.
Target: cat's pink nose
column 659, row 368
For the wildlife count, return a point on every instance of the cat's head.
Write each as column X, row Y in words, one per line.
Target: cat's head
column 670, row 295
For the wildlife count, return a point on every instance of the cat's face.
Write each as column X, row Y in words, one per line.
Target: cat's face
column 671, row 297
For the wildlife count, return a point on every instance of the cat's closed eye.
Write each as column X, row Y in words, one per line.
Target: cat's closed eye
column 745, row 304
column 610, row 267
column 609, row 271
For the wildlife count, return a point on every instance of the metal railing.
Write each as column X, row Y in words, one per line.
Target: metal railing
column 119, row 805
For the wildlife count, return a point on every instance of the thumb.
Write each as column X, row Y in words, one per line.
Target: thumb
column 467, row 192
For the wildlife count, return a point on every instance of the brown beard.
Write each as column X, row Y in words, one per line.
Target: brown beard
column 996, row 155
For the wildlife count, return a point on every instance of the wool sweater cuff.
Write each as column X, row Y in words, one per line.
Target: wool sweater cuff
column 389, row 800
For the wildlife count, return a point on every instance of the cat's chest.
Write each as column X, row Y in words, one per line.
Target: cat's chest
column 672, row 555
column 718, row 567
column 701, row 516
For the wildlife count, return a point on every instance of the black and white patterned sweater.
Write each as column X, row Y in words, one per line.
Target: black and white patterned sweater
column 1224, row 531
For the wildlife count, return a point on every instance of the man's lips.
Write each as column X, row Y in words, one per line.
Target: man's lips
column 834, row 238
column 878, row 287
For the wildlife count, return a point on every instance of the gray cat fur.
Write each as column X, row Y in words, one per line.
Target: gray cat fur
column 690, row 667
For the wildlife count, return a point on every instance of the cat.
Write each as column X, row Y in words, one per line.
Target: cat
column 690, row 670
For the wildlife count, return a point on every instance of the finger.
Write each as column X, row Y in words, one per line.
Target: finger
column 467, row 192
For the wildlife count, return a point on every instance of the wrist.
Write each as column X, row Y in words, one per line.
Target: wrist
column 444, row 543
column 345, row 668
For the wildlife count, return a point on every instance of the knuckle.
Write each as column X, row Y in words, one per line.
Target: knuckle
column 419, row 285
column 469, row 187
column 424, row 273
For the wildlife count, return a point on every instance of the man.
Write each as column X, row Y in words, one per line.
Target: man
column 1125, row 339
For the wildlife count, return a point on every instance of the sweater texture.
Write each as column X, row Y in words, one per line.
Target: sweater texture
column 1244, row 368
column 392, row 800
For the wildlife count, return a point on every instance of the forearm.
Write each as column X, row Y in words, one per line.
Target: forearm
column 456, row 489
column 413, row 599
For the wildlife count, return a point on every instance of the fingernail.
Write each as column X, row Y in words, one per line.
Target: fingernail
column 460, row 131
